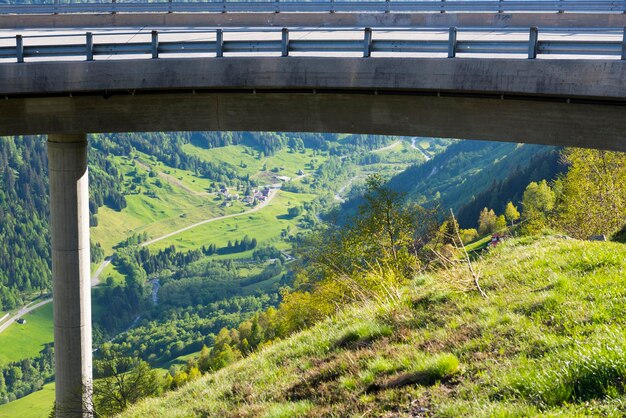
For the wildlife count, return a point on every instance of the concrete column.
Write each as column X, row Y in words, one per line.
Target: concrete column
column 69, row 224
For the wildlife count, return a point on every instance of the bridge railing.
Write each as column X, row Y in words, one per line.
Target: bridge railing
column 213, row 43
column 316, row 6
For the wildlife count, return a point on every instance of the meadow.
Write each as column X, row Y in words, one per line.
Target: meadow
column 266, row 225
column 154, row 206
column 19, row 341
column 36, row 405
column 245, row 160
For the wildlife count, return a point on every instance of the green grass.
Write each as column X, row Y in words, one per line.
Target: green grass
column 400, row 155
column 265, row 225
column 18, row 342
column 182, row 198
column 110, row 271
column 171, row 206
column 27, row 340
column 548, row 341
column 235, row 155
column 479, row 244
column 36, row 405
column 181, row 361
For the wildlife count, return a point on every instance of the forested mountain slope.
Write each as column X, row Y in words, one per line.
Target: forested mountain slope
column 471, row 175
column 24, row 234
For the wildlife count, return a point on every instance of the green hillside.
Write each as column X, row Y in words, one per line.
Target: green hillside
column 36, row 405
column 27, row 340
column 547, row 341
column 146, row 186
column 470, row 175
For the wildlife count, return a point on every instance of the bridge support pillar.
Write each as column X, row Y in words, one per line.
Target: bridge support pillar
column 69, row 225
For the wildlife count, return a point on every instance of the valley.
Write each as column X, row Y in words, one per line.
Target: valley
column 172, row 206
column 198, row 243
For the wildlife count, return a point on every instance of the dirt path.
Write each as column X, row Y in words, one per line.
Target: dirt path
column 388, row 147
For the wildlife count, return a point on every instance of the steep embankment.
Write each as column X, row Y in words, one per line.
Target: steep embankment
column 549, row 340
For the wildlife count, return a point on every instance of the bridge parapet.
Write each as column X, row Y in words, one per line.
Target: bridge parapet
column 328, row 6
column 319, row 13
column 605, row 43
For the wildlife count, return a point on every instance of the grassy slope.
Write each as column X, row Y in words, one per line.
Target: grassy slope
column 20, row 341
column 36, row 405
column 549, row 341
column 173, row 206
column 265, row 225
column 234, row 155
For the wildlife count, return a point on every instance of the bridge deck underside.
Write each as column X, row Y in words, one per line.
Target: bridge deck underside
column 516, row 120
column 572, row 103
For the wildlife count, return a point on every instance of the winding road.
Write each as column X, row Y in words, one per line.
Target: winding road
column 94, row 279
column 272, row 194
column 29, row 308
column 343, row 189
column 23, row 311
column 417, row 147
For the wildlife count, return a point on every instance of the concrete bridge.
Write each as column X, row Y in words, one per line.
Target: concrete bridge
column 546, row 86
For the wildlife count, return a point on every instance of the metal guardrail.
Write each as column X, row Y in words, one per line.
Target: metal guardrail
column 216, row 45
column 327, row 6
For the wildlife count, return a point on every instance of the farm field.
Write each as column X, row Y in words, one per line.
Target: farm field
column 27, row 340
column 245, row 159
column 265, row 225
column 156, row 207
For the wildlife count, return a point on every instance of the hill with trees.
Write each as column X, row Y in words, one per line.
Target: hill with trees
column 399, row 326
column 145, row 185
column 546, row 341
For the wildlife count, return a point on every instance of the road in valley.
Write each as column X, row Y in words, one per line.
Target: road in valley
column 343, row 189
column 94, row 279
column 23, row 311
column 417, row 147
column 98, row 272
column 272, row 194
column 31, row 307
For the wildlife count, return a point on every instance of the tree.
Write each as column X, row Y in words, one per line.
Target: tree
column 592, row 194
column 384, row 222
column 538, row 197
column 367, row 258
column 511, row 213
column 538, row 202
column 487, row 221
column 125, row 381
column 468, row 235
column 294, row 211
column 500, row 223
